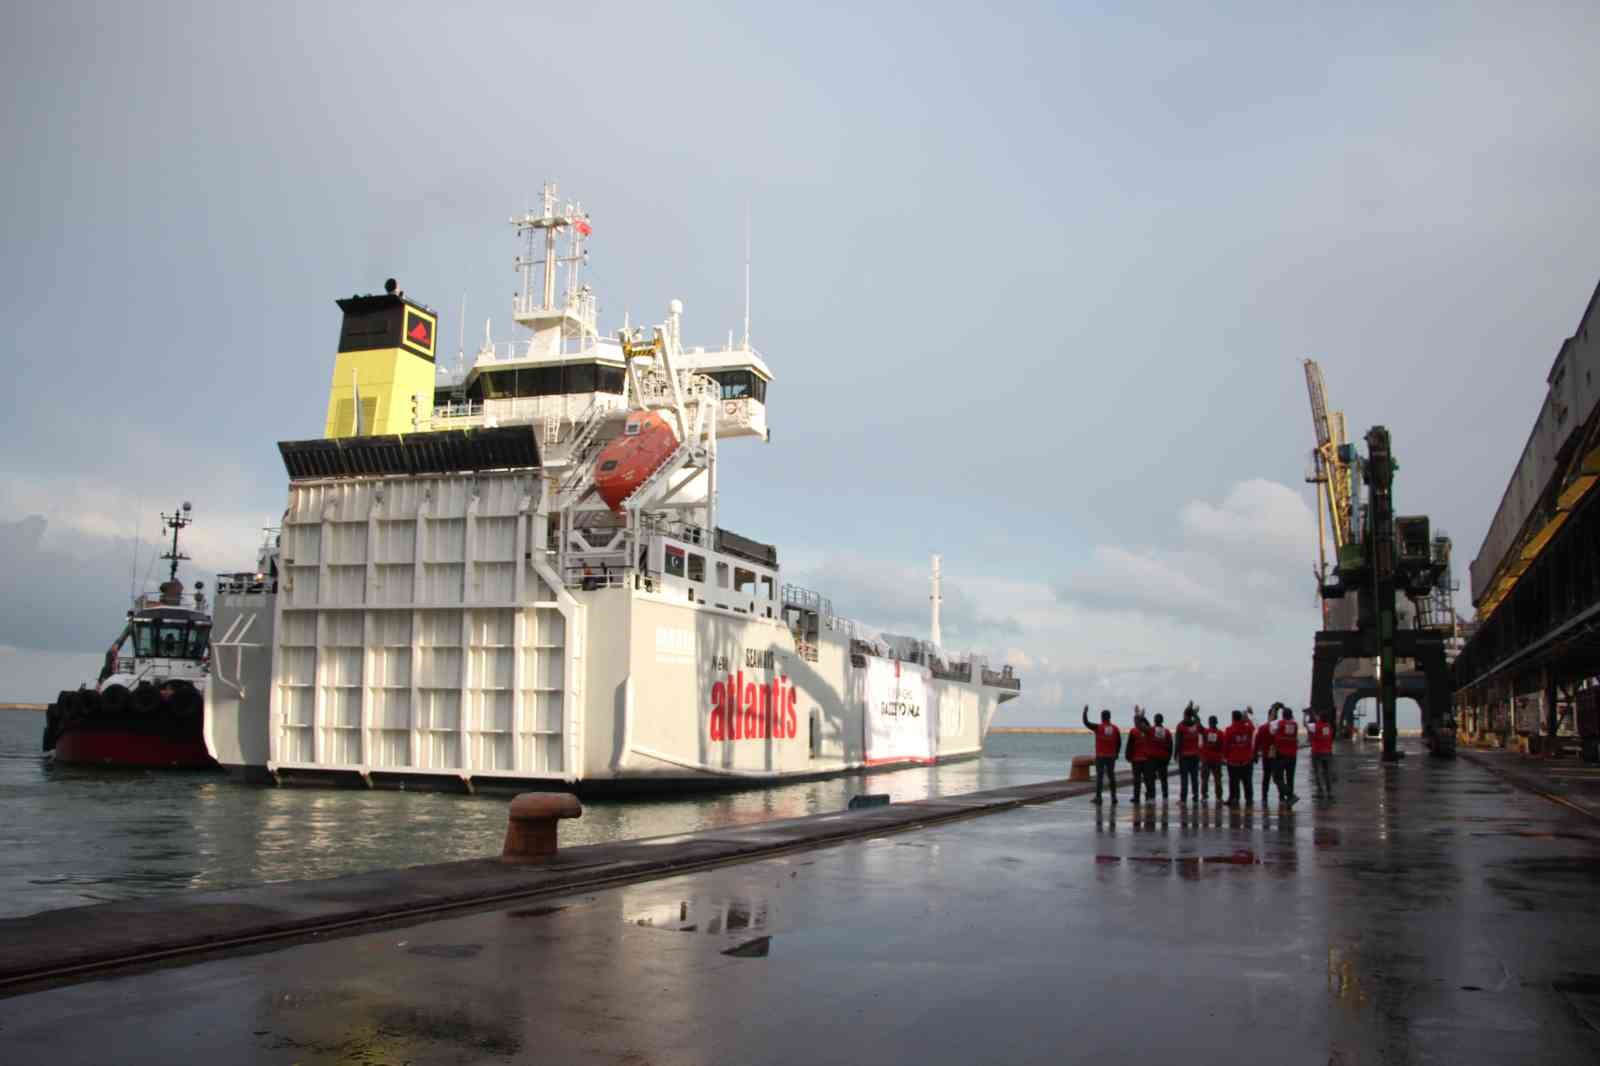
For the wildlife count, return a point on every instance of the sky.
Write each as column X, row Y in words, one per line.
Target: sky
column 1035, row 282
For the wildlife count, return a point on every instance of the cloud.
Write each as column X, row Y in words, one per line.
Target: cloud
column 893, row 595
column 1239, row 565
column 1257, row 519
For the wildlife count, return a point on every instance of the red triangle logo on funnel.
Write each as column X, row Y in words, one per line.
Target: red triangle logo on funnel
column 419, row 332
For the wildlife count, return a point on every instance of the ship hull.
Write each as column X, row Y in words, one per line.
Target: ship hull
column 417, row 635
column 125, row 741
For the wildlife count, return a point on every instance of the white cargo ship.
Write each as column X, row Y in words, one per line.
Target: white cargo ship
column 515, row 574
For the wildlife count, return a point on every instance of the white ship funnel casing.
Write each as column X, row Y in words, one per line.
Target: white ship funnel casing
column 417, row 630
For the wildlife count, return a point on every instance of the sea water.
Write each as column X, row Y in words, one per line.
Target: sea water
column 76, row 835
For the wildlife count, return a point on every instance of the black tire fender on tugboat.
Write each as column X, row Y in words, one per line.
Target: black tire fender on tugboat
column 70, row 705
column 89, row 700
column 52, row 726
column 114, row 699
column 145, row 699
column 184, row 701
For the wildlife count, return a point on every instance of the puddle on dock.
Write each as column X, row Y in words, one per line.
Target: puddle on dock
column 712, row 917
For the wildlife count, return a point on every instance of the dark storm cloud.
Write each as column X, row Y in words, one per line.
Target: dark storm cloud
column 68, row 595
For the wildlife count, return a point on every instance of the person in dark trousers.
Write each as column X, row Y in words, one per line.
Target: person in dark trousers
column 1107, row 743
column 1265, row 752
column 1322, row 754
column 1286, row 749
column 1188, row 732
column 1160, row 758
column 1238, row 745
column 1137, row 751
column 1211, row 757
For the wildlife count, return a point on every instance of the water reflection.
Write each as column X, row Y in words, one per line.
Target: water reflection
column 76, row 835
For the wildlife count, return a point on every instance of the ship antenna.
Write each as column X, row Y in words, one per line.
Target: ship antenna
column 747, row 278
column 461, row 339
column 138, row 542
column 934, row 630
column 176, row 522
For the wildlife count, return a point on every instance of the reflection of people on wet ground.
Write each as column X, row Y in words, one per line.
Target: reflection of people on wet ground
column 1211, row 759
column 1160, row 758
column 1266, row 753
column 1239, row 745
column 1107, row 743
column 1322, row 754
column 1188, row 732
column 1286, row 748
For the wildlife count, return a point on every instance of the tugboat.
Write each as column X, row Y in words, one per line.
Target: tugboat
column 147, row 709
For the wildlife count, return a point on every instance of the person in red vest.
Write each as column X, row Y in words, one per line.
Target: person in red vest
column 1286, row 748
column 1211, row 758
column 1160, row 758
column 1188, row 732
column 1322, row 754
column 1266, row 752
column 1238, row 746
column 1138, row 750
column 1107, row 743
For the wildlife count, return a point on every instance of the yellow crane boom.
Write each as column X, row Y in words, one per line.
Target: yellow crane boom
column 1332, row 475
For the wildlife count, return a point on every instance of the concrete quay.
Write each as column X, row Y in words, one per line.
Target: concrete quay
column 1435, row 912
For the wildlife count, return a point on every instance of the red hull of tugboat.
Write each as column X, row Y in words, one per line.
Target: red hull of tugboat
column 111, row 746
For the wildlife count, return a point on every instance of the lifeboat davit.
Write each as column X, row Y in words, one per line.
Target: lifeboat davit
column 647, row 441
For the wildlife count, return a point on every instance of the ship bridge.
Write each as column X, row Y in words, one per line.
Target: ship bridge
column 568, row 381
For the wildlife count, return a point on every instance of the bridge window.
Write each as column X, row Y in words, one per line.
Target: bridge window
column 738, row 384
column 697, row 567
column 562, row 380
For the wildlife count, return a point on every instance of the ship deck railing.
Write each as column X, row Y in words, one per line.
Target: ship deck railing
column 247, row 583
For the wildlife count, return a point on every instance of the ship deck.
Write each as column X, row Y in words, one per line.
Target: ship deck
column 1435, row 912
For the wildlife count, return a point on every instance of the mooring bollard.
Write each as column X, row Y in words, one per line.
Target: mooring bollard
column 1081, row 765
column 869, row 799
column 531, row 828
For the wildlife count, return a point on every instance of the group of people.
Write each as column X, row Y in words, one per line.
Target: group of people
column 1202, row 750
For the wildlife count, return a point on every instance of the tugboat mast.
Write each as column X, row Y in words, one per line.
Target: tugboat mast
column 172, row 589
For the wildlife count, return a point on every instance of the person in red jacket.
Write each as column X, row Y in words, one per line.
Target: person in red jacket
column 1211, row 758
column 1286, row 748
column 1188, row 732
column 1266, row 753
column 1160, row 762
column 1322, row 754
column 1107, row 743
column 1238, row 745
column 1138, row 750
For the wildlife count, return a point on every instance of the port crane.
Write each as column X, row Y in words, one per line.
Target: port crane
column 1332, row 472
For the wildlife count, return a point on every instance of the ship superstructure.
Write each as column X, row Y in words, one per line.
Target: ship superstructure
column 532, row 582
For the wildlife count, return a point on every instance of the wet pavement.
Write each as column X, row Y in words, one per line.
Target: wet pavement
column 1434, row 913
column 1565, row 777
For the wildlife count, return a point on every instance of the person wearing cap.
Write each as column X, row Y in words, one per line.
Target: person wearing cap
column 1211, row 757
column 1107, row 743
column 1238, row 745
column 1322, row 754
column 1265, row 751
column 1188, row 734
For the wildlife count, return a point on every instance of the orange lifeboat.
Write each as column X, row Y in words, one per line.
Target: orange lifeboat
column 624, row 464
